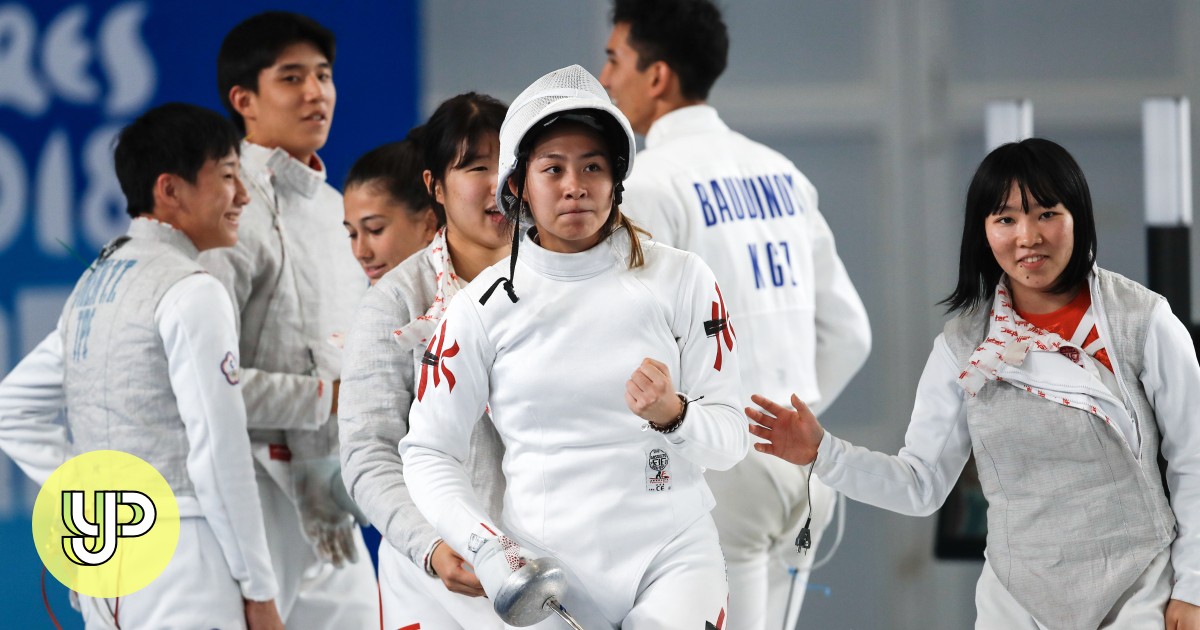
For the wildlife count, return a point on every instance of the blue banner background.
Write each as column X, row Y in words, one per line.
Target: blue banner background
column 73, row 73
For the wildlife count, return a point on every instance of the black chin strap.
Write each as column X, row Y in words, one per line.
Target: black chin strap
column 512, row 256
column 507, row 283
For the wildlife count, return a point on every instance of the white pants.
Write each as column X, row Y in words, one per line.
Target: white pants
column 762, row 504
column 1141, row 607
column 683, row 588
column 313, row 595
column 194, row 591
column 412, row 599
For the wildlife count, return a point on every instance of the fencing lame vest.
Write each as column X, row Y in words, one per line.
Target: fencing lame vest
column 117, row 383
column 1073, row 517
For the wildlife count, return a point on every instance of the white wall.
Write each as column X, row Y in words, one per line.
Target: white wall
column 880, row 103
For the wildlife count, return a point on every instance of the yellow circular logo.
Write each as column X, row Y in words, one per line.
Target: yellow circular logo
column 106, row 524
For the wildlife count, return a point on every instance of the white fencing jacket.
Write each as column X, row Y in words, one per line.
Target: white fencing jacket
column 586, row 480
column 753, row 218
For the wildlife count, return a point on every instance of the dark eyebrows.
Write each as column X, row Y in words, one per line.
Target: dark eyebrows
column 558, row 156
column 363, row 220
column 294, row 67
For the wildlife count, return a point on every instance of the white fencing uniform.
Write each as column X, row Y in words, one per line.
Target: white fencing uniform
column 294, row 282
column 378, row 387
column 149, row 308
column 625, row 508
column 748, row 213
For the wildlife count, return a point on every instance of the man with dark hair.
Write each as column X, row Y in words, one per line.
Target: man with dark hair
column 294, row 283
column 753, row 218
column 146, row 313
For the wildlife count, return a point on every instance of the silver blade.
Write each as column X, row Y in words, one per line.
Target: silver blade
column 553, row 604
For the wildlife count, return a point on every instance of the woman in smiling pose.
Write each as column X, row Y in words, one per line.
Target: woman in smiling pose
column 422, row 581
column 610, row 369
column 1066, row 381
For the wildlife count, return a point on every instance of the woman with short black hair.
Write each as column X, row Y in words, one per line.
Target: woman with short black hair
column 1066, row 381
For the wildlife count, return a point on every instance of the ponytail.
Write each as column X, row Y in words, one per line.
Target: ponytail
column 635, row 232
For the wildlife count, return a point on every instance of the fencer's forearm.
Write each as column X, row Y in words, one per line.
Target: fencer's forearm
column 198, row 337
column 1171, row 378
column 438, row 443
column 290, row 402
column 937, row 444
column 374, row 475
column 713, row 436
column 442, row 491
column 376, row 394
column 891, row 482
column 31, row 397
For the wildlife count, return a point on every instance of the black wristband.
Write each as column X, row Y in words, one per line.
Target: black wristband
column 674, row 424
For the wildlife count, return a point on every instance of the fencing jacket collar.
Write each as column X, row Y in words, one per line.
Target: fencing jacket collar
column 685, row 121
column 155, row 230
column 573, row 267
column 288, row 171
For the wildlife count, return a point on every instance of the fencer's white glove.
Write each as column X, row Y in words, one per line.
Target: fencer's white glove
column 495, row 559
column 327, row 526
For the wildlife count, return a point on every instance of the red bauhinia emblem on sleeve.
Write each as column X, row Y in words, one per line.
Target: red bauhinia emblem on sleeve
column 720, row 327
column 433, row 362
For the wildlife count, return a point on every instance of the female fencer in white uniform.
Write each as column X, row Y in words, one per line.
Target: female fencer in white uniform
column 609, row 366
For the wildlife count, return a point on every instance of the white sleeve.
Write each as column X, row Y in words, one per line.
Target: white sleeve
column 936, row 447
column 195, row 319
column 31, row 398
column 713, row 433
column 843, row 331
column 441, row 420
column 1171, row 378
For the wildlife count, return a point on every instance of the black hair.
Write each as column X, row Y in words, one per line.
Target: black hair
column 256, row 43
column 175, row 138
column 1047, row 172
column 451, row 137
column 395, row 168
column 689, row 35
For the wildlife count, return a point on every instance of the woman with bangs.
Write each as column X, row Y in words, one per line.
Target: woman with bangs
column 1067, row 382
column 423, row 582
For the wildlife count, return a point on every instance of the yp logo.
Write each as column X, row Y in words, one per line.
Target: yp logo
column 106, row 524
column 93, row 544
